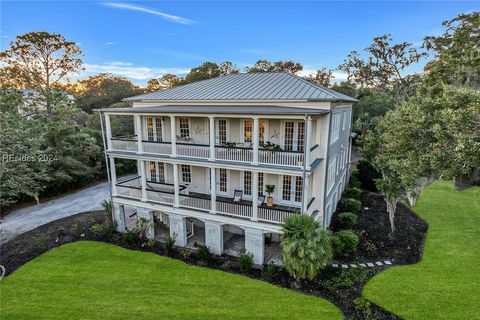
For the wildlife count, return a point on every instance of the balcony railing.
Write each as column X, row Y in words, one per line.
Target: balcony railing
column 226, row 153
column 234, row 209
column 274, row 214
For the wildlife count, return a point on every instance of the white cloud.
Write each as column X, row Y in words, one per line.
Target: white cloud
column 109, row 43
column 131, row 7
column 128, row 70
column 338, row 75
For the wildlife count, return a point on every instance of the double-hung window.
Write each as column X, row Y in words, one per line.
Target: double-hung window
column 247, row 183
column 184, row 125
column 186, row 173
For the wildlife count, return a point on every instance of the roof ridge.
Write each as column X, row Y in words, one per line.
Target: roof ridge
column 316, row 85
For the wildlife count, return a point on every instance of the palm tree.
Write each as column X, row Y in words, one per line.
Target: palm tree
column 305, row 246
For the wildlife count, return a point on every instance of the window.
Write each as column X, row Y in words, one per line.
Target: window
column 289, row 130
column 261, row 184
column 184, row 127
column 287, row 188
column 223, row 179
column 298, row 189
column 157, row 171
column 153, row 171
column 248, row 131
column 300, row 136
column 247, row 183
column 222, row 131
column 161, row 171
column 262, row 129
column 186, row 173
column 149, row 129
column 335, row 129
column 331, row 174
column 154, row 128
column 344, row 116
column 158, row 128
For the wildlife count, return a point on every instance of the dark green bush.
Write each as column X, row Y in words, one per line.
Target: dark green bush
column 246, row 262
column 350, row 205
column 344, row 241
column 363, row 307
column 169, row 243
column 269, row 271
column 345, row 279
column 347, row 219
column 353, row 193
column 367, row 175
column 131, row 236
column 204, row 253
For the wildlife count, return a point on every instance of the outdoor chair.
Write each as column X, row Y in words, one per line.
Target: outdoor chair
column 237, row 195
column 261, row 199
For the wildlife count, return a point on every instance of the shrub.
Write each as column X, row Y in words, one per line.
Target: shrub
column 353, row 193
column 107, row 205
column 204, row 253
column 143, row 226
column 97, row 229
column 149, row 243
column 131, row 236
column 246, row 262
column 186, row 253
column 345, row 279
column 350, row 205
column 354, row 181
column 347, row 219
column 363, row 307
column 344, row 241
column 269, row 271
column 306, row 246
column 169, row 243
column 76, row 230
column 367, row 175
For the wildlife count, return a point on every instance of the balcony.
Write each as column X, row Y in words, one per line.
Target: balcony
column 164, row 193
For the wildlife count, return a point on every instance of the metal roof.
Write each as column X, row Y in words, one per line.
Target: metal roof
column 219, row 109
column 273, row 86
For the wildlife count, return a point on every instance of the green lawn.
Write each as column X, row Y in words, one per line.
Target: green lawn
column 446, row 283
column 92, row 280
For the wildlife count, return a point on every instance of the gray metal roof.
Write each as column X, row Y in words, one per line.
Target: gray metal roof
column 273, row 86
column 219, row 109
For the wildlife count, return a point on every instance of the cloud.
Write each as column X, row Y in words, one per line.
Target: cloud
column 338, row 75
column 165, row 16
column 109, row 43
column 128, row 70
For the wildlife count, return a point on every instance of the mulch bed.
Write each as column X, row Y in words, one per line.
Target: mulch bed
column 339, row 286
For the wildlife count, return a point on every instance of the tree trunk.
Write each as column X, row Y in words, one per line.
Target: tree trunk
column 391, row 208
column 412, row 197
column 467, row 180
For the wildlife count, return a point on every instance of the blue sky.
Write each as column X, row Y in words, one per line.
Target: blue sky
column 144, row 39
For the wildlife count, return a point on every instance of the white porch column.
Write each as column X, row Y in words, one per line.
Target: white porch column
column 138, row 125
column 143, row 180
column 108, row 130
column 212, row 138
column 147, row 215
column 255, row 244
column 119, row 216
column 254, row 195
column 308, row 138
column 113, row 176
column 178, row 229
column 214, row 236
column 213, row 190
column 176, row 202
column 256, row 139
column 173, row 133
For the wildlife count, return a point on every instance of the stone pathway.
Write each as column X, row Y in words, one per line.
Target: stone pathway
column 382, row 263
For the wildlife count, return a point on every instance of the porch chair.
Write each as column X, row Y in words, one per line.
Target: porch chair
column 237, row 195
column 261, row 199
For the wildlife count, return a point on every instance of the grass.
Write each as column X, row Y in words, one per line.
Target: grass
column 446, row 283
column 93, row 280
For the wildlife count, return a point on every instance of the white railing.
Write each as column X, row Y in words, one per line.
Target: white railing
column 195, row 202
column 234, row 154
column 193, row 150
column 129, row 192
column 234, row 209
column 284, row 158
column 124, row 144
column 273, row 215
column 157, row 147
column 160, row 197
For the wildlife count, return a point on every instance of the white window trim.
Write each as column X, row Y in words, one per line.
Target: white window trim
column 154, row 124
column 217, row 183
column 331, row 174
column 293, row 182
column 217, row 135
column 335, row 128
column 191, row 174
column 242, row 131
column 242, row 183
column 177, row 125
column 295, row 134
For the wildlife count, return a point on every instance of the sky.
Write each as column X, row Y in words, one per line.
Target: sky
column 145, row 39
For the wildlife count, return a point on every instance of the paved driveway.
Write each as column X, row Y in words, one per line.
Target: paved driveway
column 25, row 219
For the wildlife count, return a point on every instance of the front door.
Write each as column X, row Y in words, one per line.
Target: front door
column 292, row 189
column 293, row 135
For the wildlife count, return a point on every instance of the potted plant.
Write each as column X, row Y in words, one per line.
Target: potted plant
column 269, row 188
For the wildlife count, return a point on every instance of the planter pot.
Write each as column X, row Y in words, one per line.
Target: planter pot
column 269, row 202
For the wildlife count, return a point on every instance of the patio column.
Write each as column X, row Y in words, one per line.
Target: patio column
column 213, row 190
column 143, row 180
column 255, row 244
column 138, row 124
column 254, row 195
column 256, row 139
column 119, row 216
column 212, row 138
column 178, row 229
column 113, row 177
column 308, row 138
column 108, row 130
column 173, row 133
column 214, row 236
column 176, row 202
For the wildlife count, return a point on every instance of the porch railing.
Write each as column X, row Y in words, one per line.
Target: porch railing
column 190, row 201
column 160, row 196
column 234, row 209
column 124, row 144
column 280, row 157
column 193, row 150
column 238, row 154
column 274, row 214
column 157, row 147
column 129, row 192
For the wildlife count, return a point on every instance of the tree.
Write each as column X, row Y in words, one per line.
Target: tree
column 227, row 67
column 391, row 190
column 383, row 67
column 278, row 66
column 323, row 77
column 40, row 60
column 456, row 53
column 167, row 81
column 306, row 246
column 206, row 70
column 101, row 91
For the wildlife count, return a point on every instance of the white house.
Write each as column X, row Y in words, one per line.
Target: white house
column 207, row 151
